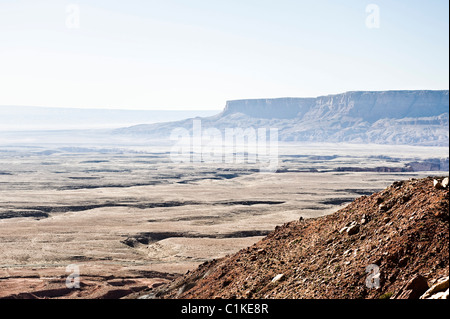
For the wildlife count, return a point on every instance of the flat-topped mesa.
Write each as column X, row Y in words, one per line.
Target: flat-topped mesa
column 369, row 106
column 386, row 117
column 281, row 108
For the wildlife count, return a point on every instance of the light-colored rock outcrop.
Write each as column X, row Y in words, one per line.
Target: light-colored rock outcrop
column 440, row 184
column 386, row 117
column 438, row 291
column 445, row 182
column 278, row 278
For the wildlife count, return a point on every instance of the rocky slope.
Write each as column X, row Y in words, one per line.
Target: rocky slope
column 386, row 117
column 393, row 244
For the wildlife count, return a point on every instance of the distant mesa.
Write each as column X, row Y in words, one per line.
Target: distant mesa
column 282, row 108
column 367, row 106
column 382, row 117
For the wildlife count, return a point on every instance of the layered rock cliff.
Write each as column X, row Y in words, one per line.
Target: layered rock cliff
column 367, row 106
column 387, row 117
column 283, row 108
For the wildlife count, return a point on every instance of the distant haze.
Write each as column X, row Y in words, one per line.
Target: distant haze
column 19, row 118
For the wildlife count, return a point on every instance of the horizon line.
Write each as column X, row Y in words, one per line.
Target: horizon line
column 218, row 109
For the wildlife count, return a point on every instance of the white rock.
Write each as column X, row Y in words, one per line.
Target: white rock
column 445, row 182
column 438, row 287
column 347, row 252
column 440, row 295
column 278, row 278
column 364, row 219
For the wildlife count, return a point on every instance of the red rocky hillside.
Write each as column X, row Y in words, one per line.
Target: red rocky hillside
column 393, row 244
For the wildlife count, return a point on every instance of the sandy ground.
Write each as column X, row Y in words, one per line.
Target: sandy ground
column 139, row 217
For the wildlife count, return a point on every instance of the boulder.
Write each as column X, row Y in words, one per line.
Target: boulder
column 444, row 182
column 414, row 289
column 364, row 219
column 278, row 278
column 352, row 230
column 437, row 184
column 440, row 295
column 439, row 287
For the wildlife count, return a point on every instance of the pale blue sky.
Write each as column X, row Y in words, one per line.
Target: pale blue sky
column 196, row 54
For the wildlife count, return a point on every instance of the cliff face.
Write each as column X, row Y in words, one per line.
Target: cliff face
column 389, row 117
column 284, row 108
column 367, row 106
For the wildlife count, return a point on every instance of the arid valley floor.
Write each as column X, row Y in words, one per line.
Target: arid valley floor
column 130, row 218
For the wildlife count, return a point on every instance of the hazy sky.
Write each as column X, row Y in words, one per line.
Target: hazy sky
column 196, row 54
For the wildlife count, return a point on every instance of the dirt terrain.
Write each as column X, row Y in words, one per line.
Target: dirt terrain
column 130, row 219
column 401, row 232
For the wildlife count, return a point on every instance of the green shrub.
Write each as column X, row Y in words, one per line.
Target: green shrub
column 387, row 295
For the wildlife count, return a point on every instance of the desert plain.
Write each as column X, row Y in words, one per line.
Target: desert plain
column 129, row 218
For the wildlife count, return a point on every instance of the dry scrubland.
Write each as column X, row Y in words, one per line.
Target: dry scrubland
column 132, row 219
